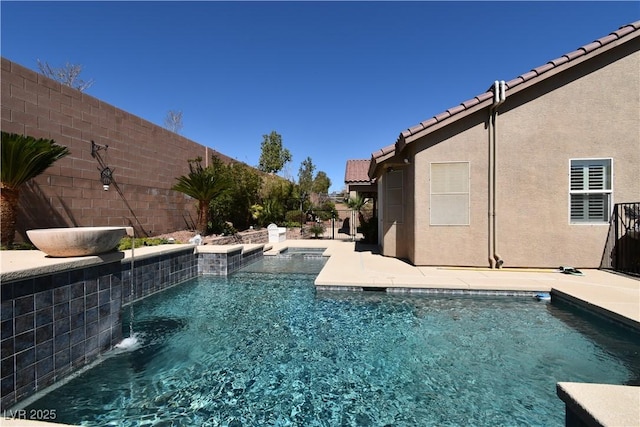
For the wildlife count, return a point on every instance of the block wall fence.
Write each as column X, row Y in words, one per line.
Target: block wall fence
column 145, row 158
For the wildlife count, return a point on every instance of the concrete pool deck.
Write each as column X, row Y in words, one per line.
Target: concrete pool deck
column 354, row 266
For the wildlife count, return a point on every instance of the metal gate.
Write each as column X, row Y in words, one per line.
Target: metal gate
column 622, row 252
column 343, row 225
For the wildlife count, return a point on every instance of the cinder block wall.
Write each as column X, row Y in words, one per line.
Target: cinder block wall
column 145, row 158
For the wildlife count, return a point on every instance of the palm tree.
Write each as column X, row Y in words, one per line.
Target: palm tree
column 368, row 227
column 204, row 185
column 272, row 211
column 23, row 158
column 357, row 203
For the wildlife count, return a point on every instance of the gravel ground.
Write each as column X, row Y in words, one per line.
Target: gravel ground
column 182, row 236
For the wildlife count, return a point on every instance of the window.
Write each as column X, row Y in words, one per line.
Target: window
column 450, row 193
column 590, row 190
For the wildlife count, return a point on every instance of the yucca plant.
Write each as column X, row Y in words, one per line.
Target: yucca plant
column 23, row 158
column 204, row 185
column 317, row 229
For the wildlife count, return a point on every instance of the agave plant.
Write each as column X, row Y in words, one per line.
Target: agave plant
column 204, row 185
column 23, row 158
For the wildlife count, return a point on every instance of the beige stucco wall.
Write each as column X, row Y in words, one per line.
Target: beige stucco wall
column 448, row 244
column 595, row 116
column 592, row 110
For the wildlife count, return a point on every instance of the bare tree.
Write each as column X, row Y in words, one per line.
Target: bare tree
column 173, row 121
column 69, row 75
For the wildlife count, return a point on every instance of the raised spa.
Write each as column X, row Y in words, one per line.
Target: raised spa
column 77, row 241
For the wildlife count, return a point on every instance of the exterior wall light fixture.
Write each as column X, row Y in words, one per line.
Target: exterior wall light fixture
column 106, row 177
column 106, row 173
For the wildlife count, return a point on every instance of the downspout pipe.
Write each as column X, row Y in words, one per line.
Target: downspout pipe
column 490, row 187
column 499, row 96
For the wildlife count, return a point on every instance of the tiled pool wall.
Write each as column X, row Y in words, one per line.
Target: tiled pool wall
column 564, row 299
column 224, row 263
column 156, row 273
column 53, row 325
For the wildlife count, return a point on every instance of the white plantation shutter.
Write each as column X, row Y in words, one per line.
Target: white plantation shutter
column 590, row 190
column 450, row 193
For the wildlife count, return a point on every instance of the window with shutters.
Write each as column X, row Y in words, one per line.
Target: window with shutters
column 590, row 190
column 449, row 193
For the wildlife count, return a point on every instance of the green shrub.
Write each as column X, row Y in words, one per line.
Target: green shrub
column 125, row 242
column 316, row 229
column 18, row 247
column 228, row 229
column 293, row 217
column 326, row 210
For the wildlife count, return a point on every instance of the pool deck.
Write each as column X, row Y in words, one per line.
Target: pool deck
column 354, row 267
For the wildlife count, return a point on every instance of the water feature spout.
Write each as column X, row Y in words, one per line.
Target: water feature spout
column 133, row 279
column 131, row 342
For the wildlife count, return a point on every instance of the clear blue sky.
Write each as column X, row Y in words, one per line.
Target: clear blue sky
column 338, row 80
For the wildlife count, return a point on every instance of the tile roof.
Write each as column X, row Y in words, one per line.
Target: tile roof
column 628, row 32
column 357, row 171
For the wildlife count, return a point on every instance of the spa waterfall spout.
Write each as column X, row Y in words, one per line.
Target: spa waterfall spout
column 130, row 342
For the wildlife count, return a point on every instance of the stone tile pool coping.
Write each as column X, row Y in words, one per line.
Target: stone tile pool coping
column 353, row 268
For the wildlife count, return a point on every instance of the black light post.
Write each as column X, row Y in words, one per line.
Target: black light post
column 303, row 196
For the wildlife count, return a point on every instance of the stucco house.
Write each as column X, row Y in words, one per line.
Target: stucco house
column 524, row 174
column 356, row 178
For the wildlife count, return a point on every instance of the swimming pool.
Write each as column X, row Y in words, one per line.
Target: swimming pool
column 261, row 347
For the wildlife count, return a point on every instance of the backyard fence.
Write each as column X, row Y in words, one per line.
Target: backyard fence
column 622, row 252
column 342, row 223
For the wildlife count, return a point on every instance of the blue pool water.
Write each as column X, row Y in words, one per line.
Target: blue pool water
column 262, row 348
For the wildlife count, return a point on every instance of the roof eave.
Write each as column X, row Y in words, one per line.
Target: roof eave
column 378, row 157
column 440, row 121
column 559, row 65
column 622, row 35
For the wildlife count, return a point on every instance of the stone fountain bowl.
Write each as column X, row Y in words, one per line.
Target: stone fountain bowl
column 76, row 241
